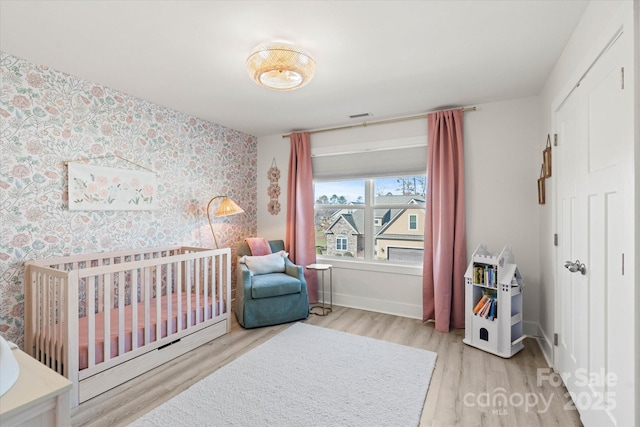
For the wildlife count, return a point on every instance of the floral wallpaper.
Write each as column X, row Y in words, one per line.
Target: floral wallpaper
column 48, row 118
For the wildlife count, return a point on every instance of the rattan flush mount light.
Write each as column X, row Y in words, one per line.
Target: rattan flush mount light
column 280, row 66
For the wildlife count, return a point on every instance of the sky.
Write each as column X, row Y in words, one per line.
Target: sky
column 352, row 189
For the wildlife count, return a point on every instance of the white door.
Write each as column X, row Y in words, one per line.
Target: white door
column 594, row 297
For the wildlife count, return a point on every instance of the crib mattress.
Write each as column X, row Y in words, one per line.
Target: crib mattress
column 205, row 310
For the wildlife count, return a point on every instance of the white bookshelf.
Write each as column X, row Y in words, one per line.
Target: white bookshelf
column 498, row 331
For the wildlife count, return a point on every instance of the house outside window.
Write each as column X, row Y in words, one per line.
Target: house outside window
column 366, row 219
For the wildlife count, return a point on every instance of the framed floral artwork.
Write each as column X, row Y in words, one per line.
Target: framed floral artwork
column 99, row 188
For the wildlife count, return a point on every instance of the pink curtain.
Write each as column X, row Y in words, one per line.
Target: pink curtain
column 445, row 246
column 300, row 239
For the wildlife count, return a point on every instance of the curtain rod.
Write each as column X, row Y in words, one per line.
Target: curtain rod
column 379, row 122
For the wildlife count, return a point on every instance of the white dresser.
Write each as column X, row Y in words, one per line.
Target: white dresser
column 40, row 397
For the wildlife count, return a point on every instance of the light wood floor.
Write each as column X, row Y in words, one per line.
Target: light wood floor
column 465, row 388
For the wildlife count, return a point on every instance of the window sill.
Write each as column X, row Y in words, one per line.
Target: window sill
column 374, row 266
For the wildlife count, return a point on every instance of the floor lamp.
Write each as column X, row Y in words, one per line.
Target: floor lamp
column 227, row 208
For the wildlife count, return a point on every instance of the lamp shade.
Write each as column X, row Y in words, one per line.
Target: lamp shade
column 280, row 66
column 228, row 207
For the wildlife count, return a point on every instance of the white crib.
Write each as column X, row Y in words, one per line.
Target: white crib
column 152, row 304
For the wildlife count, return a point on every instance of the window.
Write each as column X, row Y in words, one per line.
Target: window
column 341, row 243
column 413, row 222
column 366, row 218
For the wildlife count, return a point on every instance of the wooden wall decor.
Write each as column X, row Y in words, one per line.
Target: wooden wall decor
column 274, row 189
column 546, row 158
column 541, row 189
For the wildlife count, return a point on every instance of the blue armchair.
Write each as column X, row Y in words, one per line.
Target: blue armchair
column 269, row 298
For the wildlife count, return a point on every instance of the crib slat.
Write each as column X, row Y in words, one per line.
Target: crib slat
column 91, row 316
column 169, row 298
column 45, row 323
column 99, row 286
column 106, row 308
column 189, row 281
column 53, row 320
column 212, row 285
column 41, row 316
column 71, row 341
column 54, row 344
column 147, row 304
column 214, row 292
column 158, row 283
column 179, row 292
column 227, row 278
column 220, row 284
column 112, row 285
column 29, row 311
column 134, row 308
column 49, row 314
column 121, row 308
column 205, row 286
column 62, row 299
column 196, row 268
column 43, row 319
column 37, row 313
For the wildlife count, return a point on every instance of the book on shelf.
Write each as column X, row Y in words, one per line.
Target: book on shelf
column 478, row 306
column 487, row 307
column 493, row 311
column 486, row 275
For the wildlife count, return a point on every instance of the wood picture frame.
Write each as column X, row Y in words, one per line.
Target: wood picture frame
column 541, row 191
column 546, row 158
column 541, row 187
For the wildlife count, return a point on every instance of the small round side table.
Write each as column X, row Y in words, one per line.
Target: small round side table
column 324, row 310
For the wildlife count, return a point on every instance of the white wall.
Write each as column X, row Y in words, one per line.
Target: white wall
column 599, row 21
column 270, row 148
column 502, row 166
column 501, row 139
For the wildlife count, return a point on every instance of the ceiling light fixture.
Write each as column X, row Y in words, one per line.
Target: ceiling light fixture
column 280, row 66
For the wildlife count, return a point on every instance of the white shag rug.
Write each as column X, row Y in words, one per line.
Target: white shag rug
column 307, row 375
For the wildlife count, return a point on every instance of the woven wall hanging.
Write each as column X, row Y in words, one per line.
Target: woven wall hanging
column 274, row 189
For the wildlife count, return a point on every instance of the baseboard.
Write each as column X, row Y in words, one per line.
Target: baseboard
column 546, row 345
column 380, row 306
column 533, row 330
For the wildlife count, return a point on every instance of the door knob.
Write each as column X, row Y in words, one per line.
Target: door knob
column 576, row 266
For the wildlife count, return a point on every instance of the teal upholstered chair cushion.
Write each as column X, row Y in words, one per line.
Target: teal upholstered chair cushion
column 273, row 285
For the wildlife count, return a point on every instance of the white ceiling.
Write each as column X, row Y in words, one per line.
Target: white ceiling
column 387, row 58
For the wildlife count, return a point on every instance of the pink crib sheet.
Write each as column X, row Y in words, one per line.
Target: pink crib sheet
column 205, row 314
